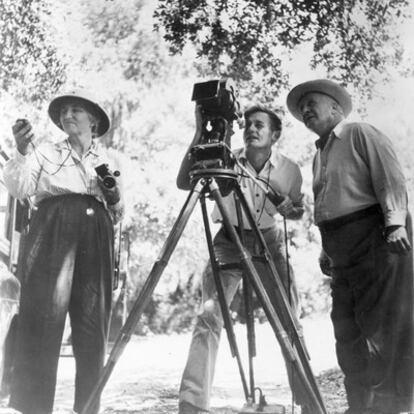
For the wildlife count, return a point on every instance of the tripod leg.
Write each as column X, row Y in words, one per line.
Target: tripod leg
column 282, row 296
column 269, row 259
column 228, row 325
column 301, row 365
column 146, row 292
column 288, row 318
column 248, row 305
column 251, row 337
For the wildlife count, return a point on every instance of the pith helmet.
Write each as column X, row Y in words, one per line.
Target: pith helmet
column 86, row 99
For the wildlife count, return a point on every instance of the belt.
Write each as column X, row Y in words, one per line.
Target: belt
column 336, row 223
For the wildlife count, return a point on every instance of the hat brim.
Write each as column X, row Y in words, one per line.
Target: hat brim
column 57, row 103
column 324, row 86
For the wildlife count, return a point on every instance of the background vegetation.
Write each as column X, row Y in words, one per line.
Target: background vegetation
column 141, row 59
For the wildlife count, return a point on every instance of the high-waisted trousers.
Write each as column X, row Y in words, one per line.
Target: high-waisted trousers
column 67, row 266
column 372, row 314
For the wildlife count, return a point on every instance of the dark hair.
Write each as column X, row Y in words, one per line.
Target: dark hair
column 276, row 123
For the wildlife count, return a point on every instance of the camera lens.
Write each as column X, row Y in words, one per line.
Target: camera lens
column 109, row 181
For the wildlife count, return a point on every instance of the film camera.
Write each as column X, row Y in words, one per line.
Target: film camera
column 108, row 178
column 219, row 108
column 217, row 98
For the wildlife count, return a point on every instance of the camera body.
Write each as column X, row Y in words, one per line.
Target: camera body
column 212, row 156
column 217, row 99
column 107, row 177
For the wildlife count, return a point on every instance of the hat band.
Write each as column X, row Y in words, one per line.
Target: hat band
column 322, row 93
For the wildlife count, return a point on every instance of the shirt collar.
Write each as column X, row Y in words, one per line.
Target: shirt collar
column 64, row 145
column 336, row 132
column 93, row 149
column 273, row 158
column 339, row 128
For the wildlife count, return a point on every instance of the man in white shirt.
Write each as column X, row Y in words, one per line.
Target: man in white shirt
column 262, row 130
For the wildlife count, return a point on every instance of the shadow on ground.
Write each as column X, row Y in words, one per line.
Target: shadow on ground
column 156, row 399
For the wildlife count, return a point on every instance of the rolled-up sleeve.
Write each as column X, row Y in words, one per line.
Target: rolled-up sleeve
column 387, row 176
column 288, row 182
column 296, row 194
column 21, row 174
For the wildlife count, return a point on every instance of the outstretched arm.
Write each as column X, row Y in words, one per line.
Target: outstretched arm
column 21, row 172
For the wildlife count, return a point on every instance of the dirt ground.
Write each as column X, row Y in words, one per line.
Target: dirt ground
column 147, row 375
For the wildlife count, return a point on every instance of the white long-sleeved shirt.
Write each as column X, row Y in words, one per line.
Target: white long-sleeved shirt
column 55, row 169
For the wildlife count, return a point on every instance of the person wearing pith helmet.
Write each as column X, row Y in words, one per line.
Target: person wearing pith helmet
column 101, row 123
column 67, row 264
column 361, row 211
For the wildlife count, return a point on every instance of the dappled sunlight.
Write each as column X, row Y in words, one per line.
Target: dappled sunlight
column 111, row 48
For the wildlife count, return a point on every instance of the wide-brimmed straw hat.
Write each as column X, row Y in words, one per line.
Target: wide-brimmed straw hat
column 325, row 86
column 86, row 99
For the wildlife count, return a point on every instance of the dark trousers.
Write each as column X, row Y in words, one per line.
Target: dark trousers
column 372, row 315
column 67, row 267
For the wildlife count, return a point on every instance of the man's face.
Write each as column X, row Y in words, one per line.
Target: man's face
column 318, row 112
column 258, row 133
column 75, row 118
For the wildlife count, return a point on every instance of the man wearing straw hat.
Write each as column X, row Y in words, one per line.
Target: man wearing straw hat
column 68, row 259
column 361, row 210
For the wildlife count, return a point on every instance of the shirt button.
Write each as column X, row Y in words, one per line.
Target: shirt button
column 257, row 211
column 257, row 195
column 90, row 211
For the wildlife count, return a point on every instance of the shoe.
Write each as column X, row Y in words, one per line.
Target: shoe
column 186, row 408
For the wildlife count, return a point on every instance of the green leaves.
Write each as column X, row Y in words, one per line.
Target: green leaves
column 30, row 66
column 355, row 41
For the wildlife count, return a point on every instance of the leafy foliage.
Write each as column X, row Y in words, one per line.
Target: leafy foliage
column 354, row 40
column 30, row 65
column 110, row 48
column 123, row 37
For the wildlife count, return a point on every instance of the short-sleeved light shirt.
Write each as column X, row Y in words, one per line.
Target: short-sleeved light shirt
column 282, row 174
